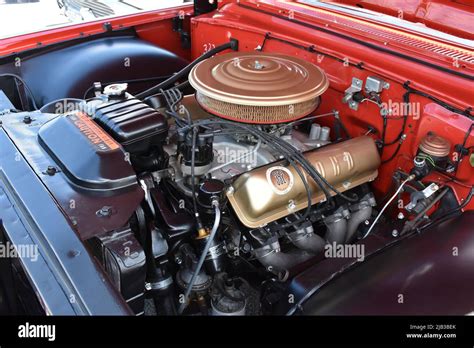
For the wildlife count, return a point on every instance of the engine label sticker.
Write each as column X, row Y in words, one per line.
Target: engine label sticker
column 280, row 179
column 101, row 140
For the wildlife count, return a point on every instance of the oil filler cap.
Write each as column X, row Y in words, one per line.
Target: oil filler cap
column 116, row 90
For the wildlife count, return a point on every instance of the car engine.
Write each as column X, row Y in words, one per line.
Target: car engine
column 207, row 203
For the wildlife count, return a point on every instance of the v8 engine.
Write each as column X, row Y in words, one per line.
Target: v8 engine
column 207, row 203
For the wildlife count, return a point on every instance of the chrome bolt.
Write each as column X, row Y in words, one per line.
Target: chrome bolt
column 291, row 205
column 105, row 211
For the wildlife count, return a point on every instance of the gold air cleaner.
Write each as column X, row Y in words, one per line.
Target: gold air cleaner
column 257, row 87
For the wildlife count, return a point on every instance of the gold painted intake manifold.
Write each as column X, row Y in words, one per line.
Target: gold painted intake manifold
column 276, row 190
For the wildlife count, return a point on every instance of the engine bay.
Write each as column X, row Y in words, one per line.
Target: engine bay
column 209, row 192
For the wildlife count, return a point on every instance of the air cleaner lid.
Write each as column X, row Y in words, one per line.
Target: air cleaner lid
column 258, row 79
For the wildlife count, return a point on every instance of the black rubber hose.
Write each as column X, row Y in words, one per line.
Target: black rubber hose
column 146, row 163
column 233, row 44
column 163, row 298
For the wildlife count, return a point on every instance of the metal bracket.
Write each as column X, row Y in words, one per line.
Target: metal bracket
column 178, row 26
column 373, row 86
column 356, row 86
column 163, row 174
column 417, row 196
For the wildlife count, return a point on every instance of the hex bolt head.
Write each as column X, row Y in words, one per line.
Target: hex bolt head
column 51, row 170
column 246, row 247
column 27, row 119
column 74, row 253
column 105, row 211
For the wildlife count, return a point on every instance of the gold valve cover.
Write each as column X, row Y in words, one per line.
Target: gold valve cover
column 276, row 190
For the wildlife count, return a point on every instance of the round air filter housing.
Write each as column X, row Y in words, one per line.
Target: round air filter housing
column 257, row 87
